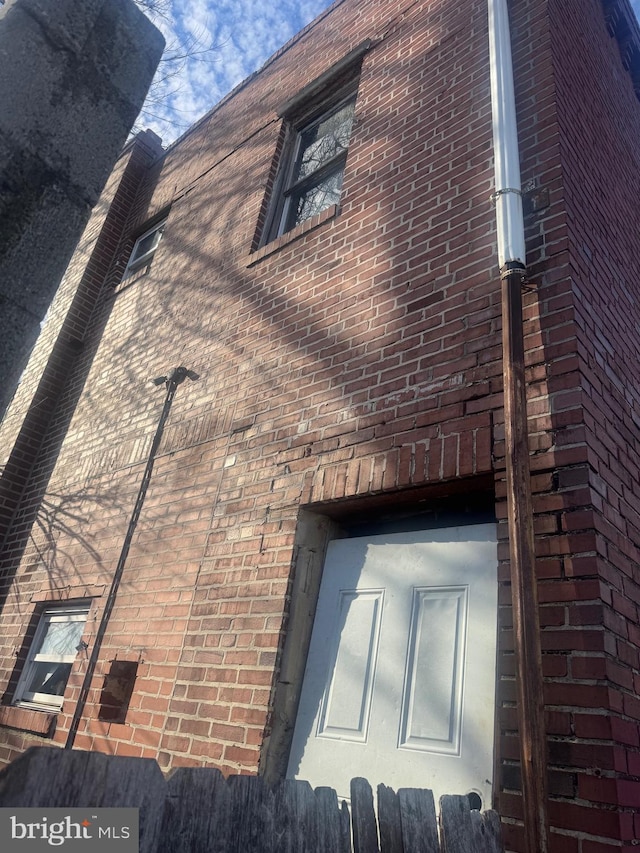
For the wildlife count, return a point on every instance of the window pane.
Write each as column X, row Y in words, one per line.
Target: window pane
column 49, row 678
column 324, row 141
column 315, row 199
column 61, row 638
column 146, row 244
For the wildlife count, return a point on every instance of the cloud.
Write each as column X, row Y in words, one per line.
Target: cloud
column 224, row 41
column 215, row 44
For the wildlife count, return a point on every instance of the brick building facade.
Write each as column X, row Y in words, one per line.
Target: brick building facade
column 340, row 304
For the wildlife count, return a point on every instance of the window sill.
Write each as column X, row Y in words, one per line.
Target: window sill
column 289, row 236
column 38, row 722
column 132, row 276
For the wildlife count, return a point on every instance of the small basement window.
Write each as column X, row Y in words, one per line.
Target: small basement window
column 51, row 656
column 145, row 248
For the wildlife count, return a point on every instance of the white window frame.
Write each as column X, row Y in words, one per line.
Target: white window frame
column 46, row 701
column 136, row 260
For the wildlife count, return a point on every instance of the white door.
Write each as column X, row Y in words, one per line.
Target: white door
column 400, row 679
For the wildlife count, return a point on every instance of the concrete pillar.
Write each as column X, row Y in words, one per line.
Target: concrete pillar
column 73, row 76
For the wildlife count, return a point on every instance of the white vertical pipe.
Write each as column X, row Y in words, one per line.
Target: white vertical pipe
column 508, row 198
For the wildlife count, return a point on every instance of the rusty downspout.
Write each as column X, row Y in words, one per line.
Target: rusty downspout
column 513, row 273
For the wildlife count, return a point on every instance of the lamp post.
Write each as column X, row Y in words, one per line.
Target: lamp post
column 171, row 381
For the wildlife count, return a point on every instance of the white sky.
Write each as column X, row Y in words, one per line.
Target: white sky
column 231, row 40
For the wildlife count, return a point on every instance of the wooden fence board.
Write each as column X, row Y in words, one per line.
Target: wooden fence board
column 49, row 777
column 292, row 807
column 363, row 818
column 306, row 817
column 456, row 831
column 199, row 811
column 487, row 832
column 283, row 804
column 345, row 827
column 252, row 815
column 389, row 825
column 330, row 829
column 418, row 821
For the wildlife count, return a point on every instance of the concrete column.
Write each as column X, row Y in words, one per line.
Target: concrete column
column 73, row 76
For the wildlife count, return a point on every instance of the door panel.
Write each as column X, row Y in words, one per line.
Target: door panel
column 400, row 680
column 347, row 702
column 432, row 699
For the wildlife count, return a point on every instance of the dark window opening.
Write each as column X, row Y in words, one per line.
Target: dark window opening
column 117, row 691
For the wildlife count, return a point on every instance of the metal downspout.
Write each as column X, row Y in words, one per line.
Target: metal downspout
column 512, row 260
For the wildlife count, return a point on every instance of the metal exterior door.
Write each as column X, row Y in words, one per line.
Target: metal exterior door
column 400, row 680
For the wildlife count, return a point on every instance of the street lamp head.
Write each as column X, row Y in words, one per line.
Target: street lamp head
column 176, row 375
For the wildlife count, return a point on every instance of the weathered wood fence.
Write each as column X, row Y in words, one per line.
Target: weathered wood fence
column 197, row 810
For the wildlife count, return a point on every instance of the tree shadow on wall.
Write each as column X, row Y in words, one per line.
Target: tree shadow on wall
column 253, row 333
column 56, row 542
column 59, row 538
column 60, row 521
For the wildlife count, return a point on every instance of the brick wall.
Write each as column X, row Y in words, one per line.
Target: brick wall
column 354, row 365
column 582, row 354
column 604, row 274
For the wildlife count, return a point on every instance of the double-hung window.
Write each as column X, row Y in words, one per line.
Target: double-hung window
column 51, row 656
column 318, row 123
column 316, row 166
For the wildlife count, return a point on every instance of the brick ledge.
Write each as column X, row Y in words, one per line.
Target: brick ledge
column 289, row 236
column 27, row 719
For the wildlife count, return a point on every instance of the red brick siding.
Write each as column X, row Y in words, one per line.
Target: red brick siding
column 361, row 357
column 583, row 346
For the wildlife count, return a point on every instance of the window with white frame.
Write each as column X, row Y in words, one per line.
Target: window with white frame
column 145, row 248
column 51, row 656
